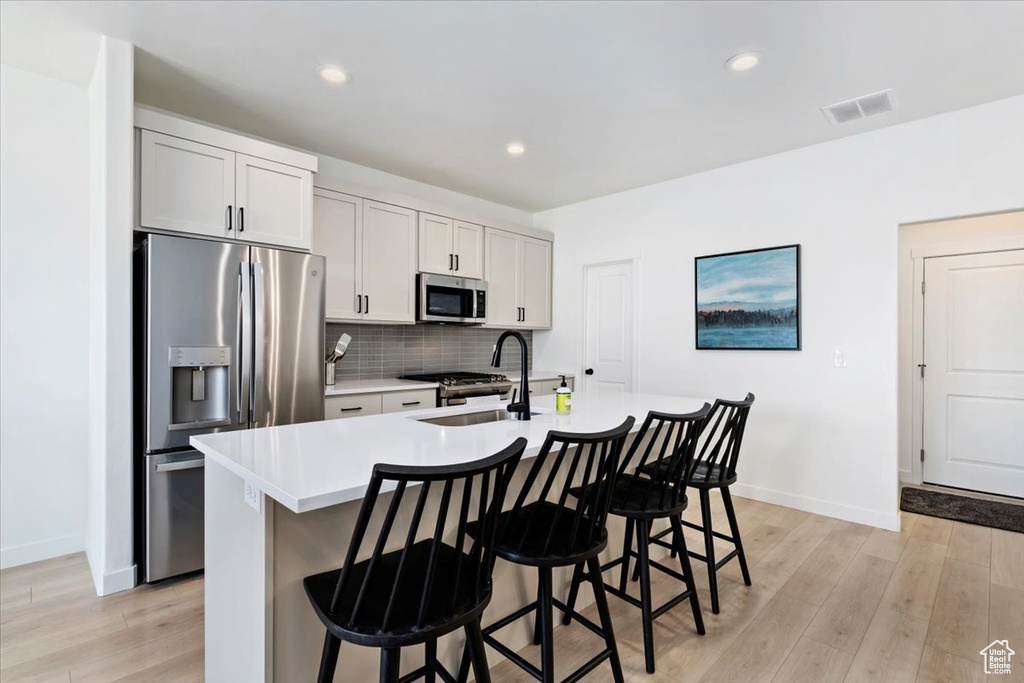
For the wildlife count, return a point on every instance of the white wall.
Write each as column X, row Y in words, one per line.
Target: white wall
column 111, row 113
column 44, row 233
column 819, row 438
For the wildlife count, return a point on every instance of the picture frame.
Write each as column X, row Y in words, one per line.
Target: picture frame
column 748, row 300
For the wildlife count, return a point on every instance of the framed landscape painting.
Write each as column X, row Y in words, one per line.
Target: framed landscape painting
column 749, row 299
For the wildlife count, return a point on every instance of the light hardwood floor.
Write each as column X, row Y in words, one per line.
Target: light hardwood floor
column 831, row 601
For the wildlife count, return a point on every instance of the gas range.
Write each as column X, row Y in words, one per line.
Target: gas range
column 456, row 387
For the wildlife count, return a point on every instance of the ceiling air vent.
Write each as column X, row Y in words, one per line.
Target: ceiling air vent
column 860, row 107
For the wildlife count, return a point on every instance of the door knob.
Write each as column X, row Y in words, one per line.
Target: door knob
column 589, row 371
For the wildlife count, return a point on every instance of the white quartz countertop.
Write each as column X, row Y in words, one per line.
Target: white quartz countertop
column 317, row 464
column 374, row 386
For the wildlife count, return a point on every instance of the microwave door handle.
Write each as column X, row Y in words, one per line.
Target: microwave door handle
column 257, row 388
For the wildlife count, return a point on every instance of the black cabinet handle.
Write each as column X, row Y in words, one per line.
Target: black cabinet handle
column 588, row 371
column 349, row 410
column 229, row 218
column 456, row 262
column 367, row 297
column 411, row 403
column 451, row 262
column 359, row 303
column 241, row 219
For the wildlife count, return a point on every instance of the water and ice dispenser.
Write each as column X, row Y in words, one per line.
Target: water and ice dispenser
column 200, row 386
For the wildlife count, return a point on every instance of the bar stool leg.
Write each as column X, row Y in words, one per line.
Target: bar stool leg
column 328, row 659
column 475, row 648
column 430, row 660
column 537, row 635
column 679, row 543
column 574, row 591
column 545, row 609
column 734, row 530
column 390, row 659
column 594, row 566
column 627, row 548
column 645, row 598
column 709, row 547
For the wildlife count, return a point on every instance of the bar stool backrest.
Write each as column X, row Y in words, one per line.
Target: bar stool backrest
column 485, row 480
column 721, row 439
column 586, row 473
column 664, row 448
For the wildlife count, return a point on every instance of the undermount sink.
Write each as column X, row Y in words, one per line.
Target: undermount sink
column 469, row 419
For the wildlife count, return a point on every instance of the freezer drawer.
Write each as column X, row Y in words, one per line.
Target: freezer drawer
column 173, row 514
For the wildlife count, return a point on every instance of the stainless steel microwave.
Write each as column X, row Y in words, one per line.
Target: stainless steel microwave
column 447, row 299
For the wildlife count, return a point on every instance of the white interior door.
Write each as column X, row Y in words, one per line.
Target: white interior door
column 974, row 372
column 608, row 328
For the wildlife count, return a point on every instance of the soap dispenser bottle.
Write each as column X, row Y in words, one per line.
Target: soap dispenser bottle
column 563, row 398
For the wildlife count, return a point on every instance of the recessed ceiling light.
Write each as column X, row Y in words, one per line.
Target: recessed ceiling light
column 333, row 74
column 745, row 61
column 515, row 148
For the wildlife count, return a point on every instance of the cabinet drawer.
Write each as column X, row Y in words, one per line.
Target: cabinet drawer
column 420, row 399
column 357, row 405
column 543, row 387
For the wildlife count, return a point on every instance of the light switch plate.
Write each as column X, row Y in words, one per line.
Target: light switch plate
column 839, row 358
column 253, row 496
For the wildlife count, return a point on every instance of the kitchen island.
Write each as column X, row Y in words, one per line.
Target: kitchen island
column 281, row 503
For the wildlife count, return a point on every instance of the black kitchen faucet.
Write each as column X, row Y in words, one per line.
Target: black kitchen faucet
column 521, row 407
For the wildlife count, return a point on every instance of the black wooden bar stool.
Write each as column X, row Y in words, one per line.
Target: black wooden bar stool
column 550, row 531
column 428, row 588
column 715, row 468
column 667, row 443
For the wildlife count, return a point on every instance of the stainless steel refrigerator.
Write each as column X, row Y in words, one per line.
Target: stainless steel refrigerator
column 227, row 336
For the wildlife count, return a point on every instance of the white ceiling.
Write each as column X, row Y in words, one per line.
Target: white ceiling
column 606, row 96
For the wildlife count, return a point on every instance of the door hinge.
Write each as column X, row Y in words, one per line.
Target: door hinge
column 922, row 286
column 922, row 455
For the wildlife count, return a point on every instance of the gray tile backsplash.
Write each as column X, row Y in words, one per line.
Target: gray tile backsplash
column 379, row 351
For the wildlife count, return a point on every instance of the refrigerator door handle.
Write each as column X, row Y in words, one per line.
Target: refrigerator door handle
column 260, row 345
column 243, row 341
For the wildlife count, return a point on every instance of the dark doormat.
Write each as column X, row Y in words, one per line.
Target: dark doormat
column 963, row 509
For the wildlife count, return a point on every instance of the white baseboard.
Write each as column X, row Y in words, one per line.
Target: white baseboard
column 907, row 477
column 111, row 582
column 851, row 513
column 41, row 550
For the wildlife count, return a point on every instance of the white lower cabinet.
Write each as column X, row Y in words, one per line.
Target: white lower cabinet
column 518, row 273
column 546, row 387
column 355, row 405
column 361, row 405
column 400, row 401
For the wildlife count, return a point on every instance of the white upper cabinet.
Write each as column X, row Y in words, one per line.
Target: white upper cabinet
column 186, row 186
column 436, row 255
column 338, row 236
column 205, row 181
column 275, row 202
column 502, row 270
column 450, row 247
column 535, row 282
column 468, row 245
column 370, row 249
column 389, row 263
column 518, row 273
